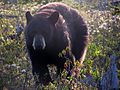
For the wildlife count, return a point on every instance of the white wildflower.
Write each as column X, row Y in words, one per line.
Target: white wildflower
column 13, row 65
column 103, row 26
column 23, row 71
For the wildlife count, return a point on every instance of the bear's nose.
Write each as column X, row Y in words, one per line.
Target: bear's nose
column 39, row 42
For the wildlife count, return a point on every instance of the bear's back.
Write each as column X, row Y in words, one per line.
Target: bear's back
column 68, row 13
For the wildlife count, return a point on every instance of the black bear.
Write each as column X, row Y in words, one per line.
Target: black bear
column 53, row 28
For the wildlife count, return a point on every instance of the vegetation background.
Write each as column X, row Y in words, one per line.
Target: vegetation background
column 103, row 21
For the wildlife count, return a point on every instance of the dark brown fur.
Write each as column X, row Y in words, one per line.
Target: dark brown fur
column 69, row 30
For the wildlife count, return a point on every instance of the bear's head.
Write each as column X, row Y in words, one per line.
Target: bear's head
column 39, row 30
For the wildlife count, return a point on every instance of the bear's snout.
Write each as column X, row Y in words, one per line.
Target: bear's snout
column 38, row 42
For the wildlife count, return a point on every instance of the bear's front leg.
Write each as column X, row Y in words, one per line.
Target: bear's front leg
column 41, row 74
column 39, row 69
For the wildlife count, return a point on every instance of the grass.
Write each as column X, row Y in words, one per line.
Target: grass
column 15, row 66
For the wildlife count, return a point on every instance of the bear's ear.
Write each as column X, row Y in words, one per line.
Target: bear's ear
column 54, row 17
column 28, row 16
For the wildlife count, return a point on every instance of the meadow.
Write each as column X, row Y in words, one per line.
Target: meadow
column 104, row 44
